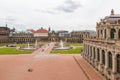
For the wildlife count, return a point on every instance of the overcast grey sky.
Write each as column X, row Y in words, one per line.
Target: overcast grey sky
column 57, row 14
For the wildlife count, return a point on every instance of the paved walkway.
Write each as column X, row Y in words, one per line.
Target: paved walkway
column 89, row 71
column 44, row 66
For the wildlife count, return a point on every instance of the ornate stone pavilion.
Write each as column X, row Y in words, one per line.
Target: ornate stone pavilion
column 103, row 50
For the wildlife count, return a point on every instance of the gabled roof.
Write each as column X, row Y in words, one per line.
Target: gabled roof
column 41, row 31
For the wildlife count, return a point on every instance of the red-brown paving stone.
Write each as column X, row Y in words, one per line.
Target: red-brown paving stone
column 59, row 67
column 92, row 74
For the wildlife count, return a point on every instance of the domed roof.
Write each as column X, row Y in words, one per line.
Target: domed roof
column 113, row 18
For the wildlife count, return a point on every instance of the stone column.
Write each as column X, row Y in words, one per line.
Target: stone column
column 87, row 52
column 92, row 52
column 100, row 56
column 108, row 33
column 106, row 60
column 96, row 54
column 116, row 34
column 114, row 69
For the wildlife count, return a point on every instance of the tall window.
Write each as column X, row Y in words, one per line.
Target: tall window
column 90, row 51
column 110, row 60
column 112, row 33
column 94, row 52
column 98, row 33
column 119, row 34
column 119, row 21
column 105, row 33
column 118, row 63
column 103, row 57
column 98, row 55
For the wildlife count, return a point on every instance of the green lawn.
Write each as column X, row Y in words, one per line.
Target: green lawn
column 76, row 50
column 32, row 44
column 74, row 44
column 4, row 44
column 71, row 51
column 22, row 45
column 14, row 51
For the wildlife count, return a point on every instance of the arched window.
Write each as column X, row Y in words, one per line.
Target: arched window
column 118, row 63
column 103, row 57
column 98, row 55
column 119, row 34
column 110, row 60
column 94, row 52
column 112, row 31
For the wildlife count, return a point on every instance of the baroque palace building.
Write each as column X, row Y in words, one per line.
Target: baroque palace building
column 77, row 36
column 21, row 37
column 4, row 34
column 103, row 50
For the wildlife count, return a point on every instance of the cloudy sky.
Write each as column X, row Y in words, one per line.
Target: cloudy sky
column 57, row 14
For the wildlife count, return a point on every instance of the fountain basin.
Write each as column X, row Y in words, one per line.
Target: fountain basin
column 27, row 48
column 30, row 47
column 62, row 48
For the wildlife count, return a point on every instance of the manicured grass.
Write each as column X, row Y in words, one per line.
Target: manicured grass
column 4, row 44
column 24, row 44
column 74, row 44
column 71, row 51
column 14, row 51
column 32, row 44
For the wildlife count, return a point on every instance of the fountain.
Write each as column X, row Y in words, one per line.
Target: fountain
column 62, row 47
column 29, row 47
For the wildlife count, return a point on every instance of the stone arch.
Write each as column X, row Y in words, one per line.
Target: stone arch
column 103, row 57
column 118, row 63
column 109, row 60
column 112, row 31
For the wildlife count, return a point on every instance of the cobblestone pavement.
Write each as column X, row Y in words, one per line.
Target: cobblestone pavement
column 40, row 65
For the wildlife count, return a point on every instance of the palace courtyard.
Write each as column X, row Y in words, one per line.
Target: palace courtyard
column 40, row 65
